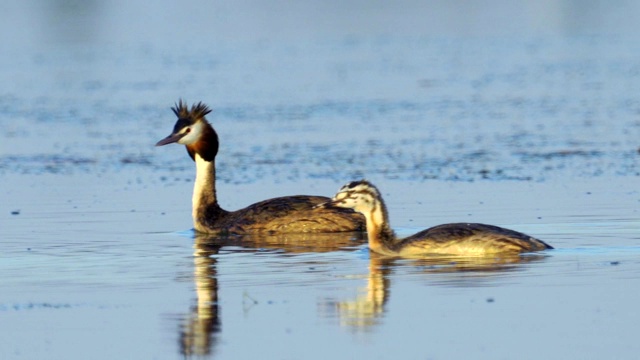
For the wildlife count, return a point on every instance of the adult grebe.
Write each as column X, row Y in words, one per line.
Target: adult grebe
column 448, row 239
column 291, row 214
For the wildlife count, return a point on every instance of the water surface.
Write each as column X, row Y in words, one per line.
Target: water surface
column 520, row 116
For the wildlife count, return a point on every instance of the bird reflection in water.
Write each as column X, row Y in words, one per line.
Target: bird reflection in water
column 367, row 309
column 362, row 313
column 198, row 332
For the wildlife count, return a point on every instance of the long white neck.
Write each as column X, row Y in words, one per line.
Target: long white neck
column 204, row 188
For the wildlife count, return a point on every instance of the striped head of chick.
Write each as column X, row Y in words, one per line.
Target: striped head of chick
column 361, row 196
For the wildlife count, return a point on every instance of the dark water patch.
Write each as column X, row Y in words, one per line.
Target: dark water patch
column 305, row 112
column 136, row 160
column 45, row 163
column 560, row 154
column 414, row 161
column 37, row 306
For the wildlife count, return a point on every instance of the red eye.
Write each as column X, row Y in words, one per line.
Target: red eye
column 187, row 131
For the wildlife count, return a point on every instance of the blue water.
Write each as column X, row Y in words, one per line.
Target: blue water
column 519, row 114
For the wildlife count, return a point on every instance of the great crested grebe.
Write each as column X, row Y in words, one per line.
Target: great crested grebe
column 291, row 214
column 448, row 239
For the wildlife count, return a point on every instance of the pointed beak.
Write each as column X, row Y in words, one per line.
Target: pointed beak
column 170, row 139
column 327, row 204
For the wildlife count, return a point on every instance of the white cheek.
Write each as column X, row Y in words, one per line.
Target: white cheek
column 363, row 205
column 339, row 196
column 192, row 136
column 355, row 204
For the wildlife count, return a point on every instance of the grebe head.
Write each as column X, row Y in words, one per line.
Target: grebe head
column 193, row 130
column 361, row 196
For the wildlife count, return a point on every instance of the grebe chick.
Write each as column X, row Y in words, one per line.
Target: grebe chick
column 291, row 214
column 448, row 239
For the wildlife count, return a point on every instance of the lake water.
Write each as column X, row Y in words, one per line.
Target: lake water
column 521, row 114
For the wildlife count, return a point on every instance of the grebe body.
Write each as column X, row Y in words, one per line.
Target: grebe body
column 466, row 239
column 291, row 214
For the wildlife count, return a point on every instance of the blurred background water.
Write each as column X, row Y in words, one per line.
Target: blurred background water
column 518, row 113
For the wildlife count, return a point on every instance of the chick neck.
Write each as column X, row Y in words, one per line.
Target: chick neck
column 382, row 239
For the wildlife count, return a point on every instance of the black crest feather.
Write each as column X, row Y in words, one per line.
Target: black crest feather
column 197, row 111
column 353, row 184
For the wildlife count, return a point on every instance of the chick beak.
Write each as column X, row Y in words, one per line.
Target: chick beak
column 327, row 204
